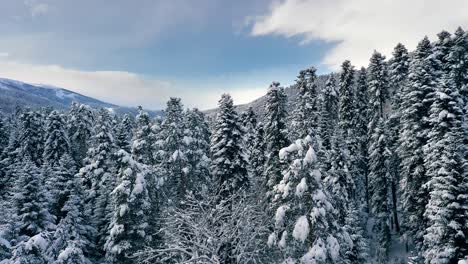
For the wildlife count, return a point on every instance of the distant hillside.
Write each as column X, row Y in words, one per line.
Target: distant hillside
column 258, row 105
column 15, row 93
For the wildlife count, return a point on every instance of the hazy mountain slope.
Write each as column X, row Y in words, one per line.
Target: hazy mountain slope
column 16, row 93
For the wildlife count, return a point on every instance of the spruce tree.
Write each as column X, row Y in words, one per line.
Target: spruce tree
column 131, row 204
column 31, row 136
column 62, row 174
column 414, row 127
column 346, row 108
column 378, row 184
column 80, row 125
column 143, row 139
column 444, row 239
column 306, row 229
column 124, row 133
column 328, row 117
column 57, row 143
column 305, row 114
column 275, row 133
column 32, row 214
column 228, row 166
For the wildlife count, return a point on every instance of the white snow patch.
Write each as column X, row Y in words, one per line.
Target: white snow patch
column 282, row 242
column 272, row 239
column 310, row 157
column 280, row 214
column 301, row 188
column 301, row 229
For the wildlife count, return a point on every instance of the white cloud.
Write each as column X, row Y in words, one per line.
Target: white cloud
column 129, row 89
column 37, row 8
column 360, row 26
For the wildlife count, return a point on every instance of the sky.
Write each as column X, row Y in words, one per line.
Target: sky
column 142, row 52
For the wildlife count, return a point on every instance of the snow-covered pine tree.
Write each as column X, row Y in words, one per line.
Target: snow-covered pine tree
column 143, row 139
column 378, row 184
column 328, row 117
column 275, row 134
column 174, row 161
column 444, row 239
column 414, row 113
column 306, row 230
column 338, row 179
column 197, row 145
column 59, row 191
column 346, row 107
column 128, row 229
column 31, row 251
column 361, row 102
column 228, row 166
column 359, row 253
column 124, row 133
column 249, row 123
column 98, row 179
column 29, row 199
column 57, row 143
column 305, row 114
column 80, row 123
column 441, row 51
column 70, row 241
column 398, row 72
column 258, row 158
column 377, row 81
column 31, row 136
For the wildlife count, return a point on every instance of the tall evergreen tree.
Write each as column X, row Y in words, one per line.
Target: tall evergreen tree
column 129, row 223
column 80, row 125
column 275, row 133
column 444, row 239
column 32, row 214
column 57, row 143
column 346, row 108
column 328, row 114
column 414, row 127
column 305, row 114
column 143, row 139
column 31, row 136
column 124, row 133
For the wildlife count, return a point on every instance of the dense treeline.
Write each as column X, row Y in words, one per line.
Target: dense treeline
column 370, row 168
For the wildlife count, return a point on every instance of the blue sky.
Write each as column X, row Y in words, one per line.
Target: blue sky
column 142, row 52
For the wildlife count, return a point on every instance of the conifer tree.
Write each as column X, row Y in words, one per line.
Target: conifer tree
column 258, row 158
column 143, row 139
column 346, row 106
column 275, row 133
column 31, row 136
column 328, row 115
column 57, row 143
column 444, row 239
column 414, row 112
column 249, row 123
column 378, row 184
column 306, row 230
column 129, row 223
column 4, row 134
column 174, row 160
column 228, row 167
column 305, row 114
column 362, row 114
column 63, row 173
column 32, row 214
column 124, row 133
column 80, row 125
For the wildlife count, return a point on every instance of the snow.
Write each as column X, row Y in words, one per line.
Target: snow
column 301, row 188
column 316, row 254
column 139, row 184
column 463, row 261
column 285, row 151
column 271, row 239
column 37, row 241
column 310, row 157
column 282, row 242
column 333, row 248
column 301, row 229
column 123, row 209
column 280, row 214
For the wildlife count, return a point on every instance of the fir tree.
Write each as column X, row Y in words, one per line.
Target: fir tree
column 378, row 184
column 143, row 139
column 62, row 174
column 328, row 114
column 124, row 133
column 305, row 115
column 80, row 125
column 275, row 133
column 57, row 143
column 32, row 214
column 31, row 136
column 128, row 227
column 346, row 106
column 228, row 165
column 444, row 239
column 413, row 137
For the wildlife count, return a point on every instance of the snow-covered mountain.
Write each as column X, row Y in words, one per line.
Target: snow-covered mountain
column 16, row 93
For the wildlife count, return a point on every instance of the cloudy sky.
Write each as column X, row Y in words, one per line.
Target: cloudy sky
column 142, row 52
